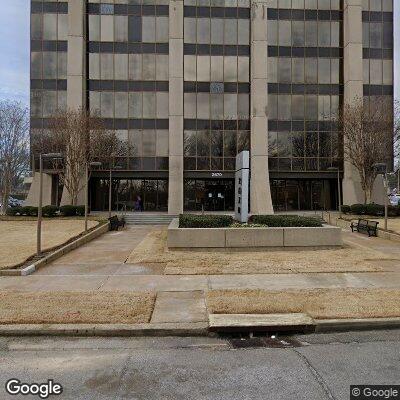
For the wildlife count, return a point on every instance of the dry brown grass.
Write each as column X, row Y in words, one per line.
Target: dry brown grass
column 83, row 307
column 18, row 238
column 153, row 250
column 318, row 303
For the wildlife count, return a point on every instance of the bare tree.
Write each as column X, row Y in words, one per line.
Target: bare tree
column 81, row 138
column 370, row 135
column 14, row 147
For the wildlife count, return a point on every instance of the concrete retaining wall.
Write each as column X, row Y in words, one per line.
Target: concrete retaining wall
column 80, row 241
column 252, row 237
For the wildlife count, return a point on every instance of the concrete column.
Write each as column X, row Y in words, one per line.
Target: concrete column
column 175, row 190
column 33, row 195
column 353, row 86
column 260, row 191
column 76, row 69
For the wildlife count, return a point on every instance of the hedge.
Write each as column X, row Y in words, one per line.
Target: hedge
column 80, row 210
column 376, row 210
column 68, row 210
column 50, row 211
column 285, row 221
column 13, row 211
column 204, row 221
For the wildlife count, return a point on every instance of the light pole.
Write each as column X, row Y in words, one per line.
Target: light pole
column 53, row 156
column 339, row 189
column 92, row 164
column 381, row 169
column 110, row 189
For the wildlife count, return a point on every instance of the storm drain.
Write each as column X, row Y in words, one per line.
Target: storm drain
column 273, row 342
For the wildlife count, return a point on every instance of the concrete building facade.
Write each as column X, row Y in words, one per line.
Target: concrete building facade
column 190, row 83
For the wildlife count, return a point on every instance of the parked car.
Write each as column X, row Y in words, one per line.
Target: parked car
column 395, row 199
column 13, row 202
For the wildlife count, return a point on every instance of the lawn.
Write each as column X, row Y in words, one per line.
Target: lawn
column 318, row 303
column 80, row 307
column 153, row 250
column 18, row 238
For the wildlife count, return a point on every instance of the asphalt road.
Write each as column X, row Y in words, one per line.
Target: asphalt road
column 202, row 368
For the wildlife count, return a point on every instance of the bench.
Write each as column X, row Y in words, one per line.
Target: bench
column 115, row 223
column 365, row 225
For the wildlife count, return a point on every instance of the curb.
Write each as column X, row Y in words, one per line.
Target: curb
column 111, row 330
column 179, row 329
column 30, row 269
column 341, row 325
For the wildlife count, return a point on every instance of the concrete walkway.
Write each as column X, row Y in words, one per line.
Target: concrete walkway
column 100, row 265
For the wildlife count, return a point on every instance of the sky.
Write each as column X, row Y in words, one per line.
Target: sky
column 14, row 50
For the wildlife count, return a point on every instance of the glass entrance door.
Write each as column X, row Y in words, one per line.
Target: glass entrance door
column 209, row 194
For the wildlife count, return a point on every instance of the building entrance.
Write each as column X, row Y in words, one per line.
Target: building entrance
column 125, row 193
column 209, row 194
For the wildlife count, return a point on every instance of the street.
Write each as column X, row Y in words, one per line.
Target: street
column 322, row 367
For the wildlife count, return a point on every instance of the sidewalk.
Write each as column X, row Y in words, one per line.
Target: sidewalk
column 99, row 265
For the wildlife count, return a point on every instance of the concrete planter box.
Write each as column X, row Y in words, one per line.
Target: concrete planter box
column 252, row 237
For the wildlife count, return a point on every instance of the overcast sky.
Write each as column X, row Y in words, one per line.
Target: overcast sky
column 14, row 49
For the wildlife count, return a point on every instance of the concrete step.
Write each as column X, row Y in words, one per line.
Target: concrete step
column 260, row 322
column 148, row 219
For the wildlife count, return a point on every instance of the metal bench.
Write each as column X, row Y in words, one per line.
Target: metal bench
column 365, row 226
column 115, row 223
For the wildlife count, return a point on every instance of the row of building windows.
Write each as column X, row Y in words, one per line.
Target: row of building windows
column 304, row 33
column 303, row 144
column 310, row 4
column 216, row 68
column 130, row 105
column 216, row 106
column 311, row 164
column 128, row 9
column 46, row 103
column 215, row 143
column 378, row 72
column 147, row 29
column 217, row 31
column 304, row 70
column 378, row 35
column 141, row 67
column 48, row 65
column 299, row 107
column 49, row 26
column 217, row 3
column 377, row 5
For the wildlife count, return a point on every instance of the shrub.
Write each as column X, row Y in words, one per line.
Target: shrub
column 29, row 211
column 374, row 209
column 285, row 221
column 80, row 210
column 346, row 209
column 68, row 211
column 13, row 211
column 358, row 209
column 204, row 221
column 49, row 211
column 393, row 211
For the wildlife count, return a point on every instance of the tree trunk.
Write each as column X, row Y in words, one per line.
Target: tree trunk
column 368, row 195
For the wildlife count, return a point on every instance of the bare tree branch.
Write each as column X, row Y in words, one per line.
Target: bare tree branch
column 14, row 147
column 370, row 136
column 81, row 138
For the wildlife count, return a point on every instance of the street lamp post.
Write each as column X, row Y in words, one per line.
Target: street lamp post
column 110, row 190
column 339, row 189
column 53, row 156
column 381, row 169
column 92, row 164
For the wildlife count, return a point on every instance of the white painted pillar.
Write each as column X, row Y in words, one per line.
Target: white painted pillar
column 353, row 86
column 260, row 191
column 175, row 187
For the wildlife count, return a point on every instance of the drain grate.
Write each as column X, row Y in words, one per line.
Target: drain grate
column 272, row 342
